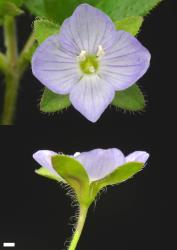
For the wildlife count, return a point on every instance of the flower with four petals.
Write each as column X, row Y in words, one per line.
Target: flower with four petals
column 89, row 60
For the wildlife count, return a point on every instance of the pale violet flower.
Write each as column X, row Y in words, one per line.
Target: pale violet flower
column 98, row 163
column 90, row 60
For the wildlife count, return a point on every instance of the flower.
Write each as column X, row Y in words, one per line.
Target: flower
column 90, row 60
column 98, row 163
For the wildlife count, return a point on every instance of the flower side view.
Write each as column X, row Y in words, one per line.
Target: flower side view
column 98, row 163
column 90, row 60
column 87, row 173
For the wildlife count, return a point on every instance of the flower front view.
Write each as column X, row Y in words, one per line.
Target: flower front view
column 89, row 60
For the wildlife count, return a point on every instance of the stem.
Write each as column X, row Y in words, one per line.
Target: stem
column 79, row 228
column 10, row 98
column 26, row 53
column 10, row 40
column 13, row 67
column 2, row 62
column 11, row 75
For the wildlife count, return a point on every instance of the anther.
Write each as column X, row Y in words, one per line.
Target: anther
column 77, row 154
column 100, row 51
column 82, row 56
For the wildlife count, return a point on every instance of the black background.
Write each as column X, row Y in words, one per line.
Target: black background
column 34, row 211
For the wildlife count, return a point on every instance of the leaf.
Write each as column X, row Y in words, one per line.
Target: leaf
column 121, row 174
column 17, row 2
column 73, row 173
column 55, row 10
column 130, row 24
column 8, row 8
column 44, row 28
column 119, row 9
column 36, row 7
column 46, row 173
column 130, row 99
column 51, row 102
column 59, row 10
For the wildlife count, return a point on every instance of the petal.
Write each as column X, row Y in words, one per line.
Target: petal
column 55, row 68
column 139, row 156
column 86, row 29
column 91, row 96
column 125, row 61
column 101, row 162
column 43, row 157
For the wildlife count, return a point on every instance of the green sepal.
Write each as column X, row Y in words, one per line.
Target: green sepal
column 51, row 102
column 118, row 176
column 74, row 174
column 130, row 24
column 120, row 9
column 130, row 99
column 46, row 173
column 7, row 8
column 44, row 28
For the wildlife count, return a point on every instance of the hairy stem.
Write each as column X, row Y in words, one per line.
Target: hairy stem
column 10, row 98
column 79, row 227
column 10, row 41
column 2, row 62
column 26, row 53
column 11, row 75
column 13, row 67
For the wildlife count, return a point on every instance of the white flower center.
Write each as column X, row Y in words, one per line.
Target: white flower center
column 89, row 63
column 83, row 55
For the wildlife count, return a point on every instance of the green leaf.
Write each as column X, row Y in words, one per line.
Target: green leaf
column 51, row 102
column 130, row 99
column 36, row 7
column 8, row 8
column 130, row 24
column 17, row 2
column 46, row 173
column 121, row 174
column 55, row 10
column 59, row 10
column 74, row 174
column 119, row 9
column 44, row 28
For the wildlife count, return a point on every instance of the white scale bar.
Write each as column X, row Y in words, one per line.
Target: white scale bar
column 8, row 244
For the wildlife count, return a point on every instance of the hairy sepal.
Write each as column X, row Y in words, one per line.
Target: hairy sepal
column 75, row 175
column 131, row 99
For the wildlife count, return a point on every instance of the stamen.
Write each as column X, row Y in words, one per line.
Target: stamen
column 82, row 56
column 100, row 51
column 77, row 154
